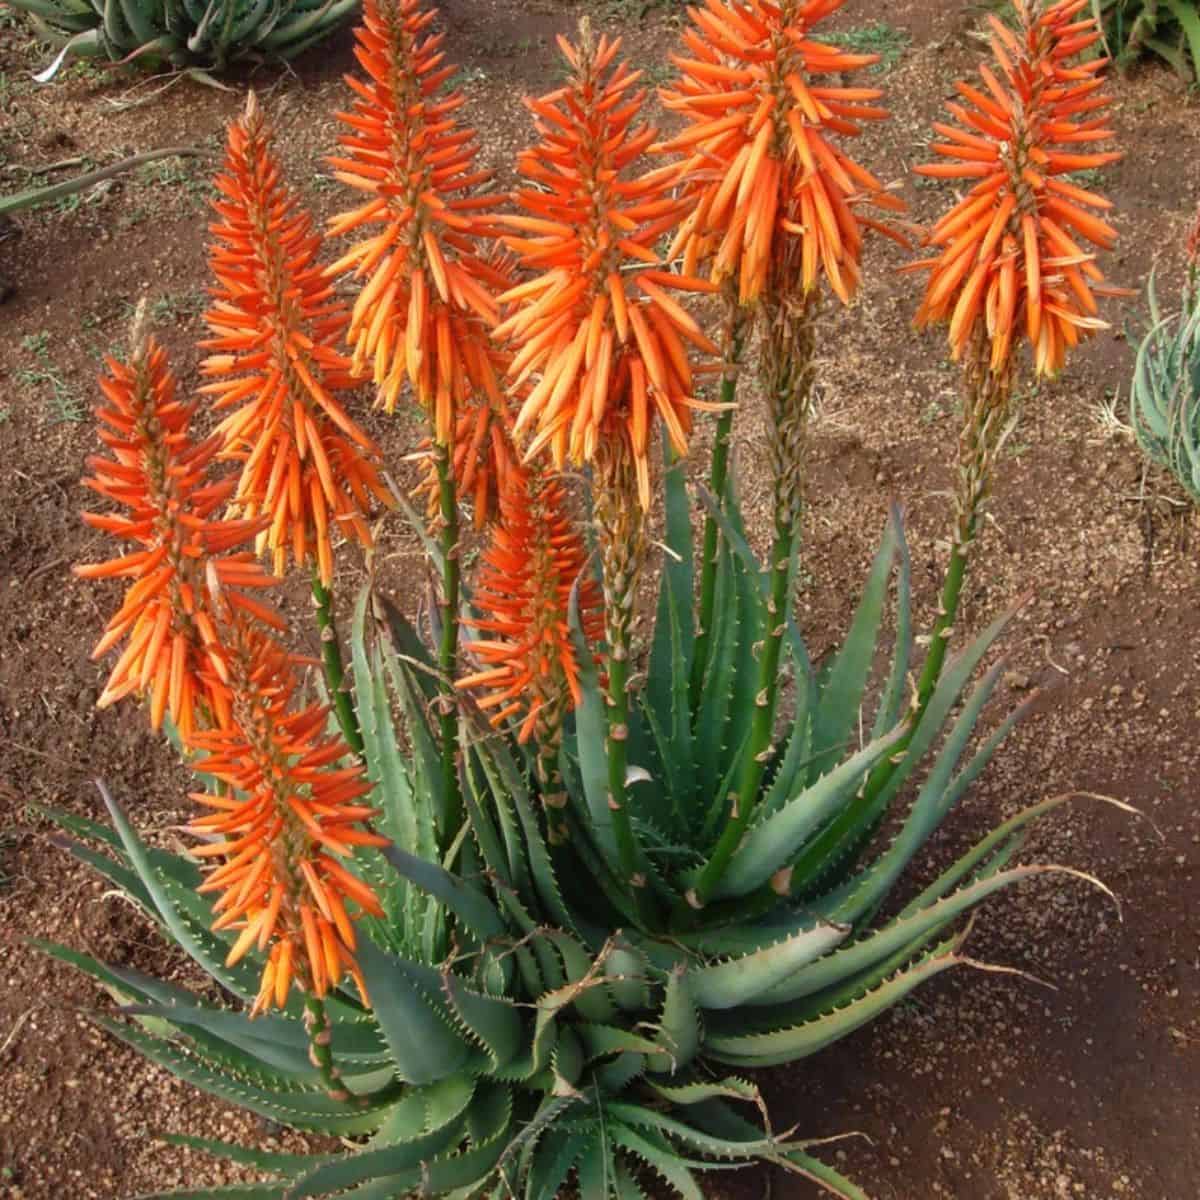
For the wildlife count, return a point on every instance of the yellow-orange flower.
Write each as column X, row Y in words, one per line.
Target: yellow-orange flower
column 770, row 189
column 1010, row 264
column 536, row 556
column 161, row 475
column 282, row 824
column 306, row 465
column 597, row 329
column 427, row 304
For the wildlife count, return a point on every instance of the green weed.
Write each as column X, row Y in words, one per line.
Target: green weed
column 45, row 377
column 877, row 38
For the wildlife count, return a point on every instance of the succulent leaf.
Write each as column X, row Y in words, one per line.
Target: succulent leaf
column 776, row 841
column 799, row 1041
column 841, row 697
column 308, row 1110
column 267, row 1161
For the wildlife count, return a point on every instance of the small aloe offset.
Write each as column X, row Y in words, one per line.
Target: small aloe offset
column 1164, row 397
column 524, row 906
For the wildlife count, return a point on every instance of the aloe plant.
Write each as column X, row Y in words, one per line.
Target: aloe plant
column 597, row 881
column 524, row 1026
column 1168, row 28
column 1164, row 397
column 186, row 33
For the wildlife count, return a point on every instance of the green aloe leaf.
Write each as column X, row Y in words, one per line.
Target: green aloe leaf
column 278, row 1044
column 309, row 1110
column 799, row 1041
column 419, row 1031
column 908, row 930
column 700, row 1092
column 122, row 877
column 492, row 1023
column 674, row 626
column 271, row 1162
column 671, row 726
column 467, row 903
column 679, row 1030
column 743, row 980
column 541, row 867
column 720, row 1120
column 491, row 820
column 664, row 1161
column 591, row 737
column 554, row 1160
column 1189, row 20
column 399, row 1170
column 407, row 643
column 835, row 848
column 773, row 843
column 840, row 700
column 716, row 696
column 123, row 985
column 180, row 910
column 891, row 704
column 860, row 895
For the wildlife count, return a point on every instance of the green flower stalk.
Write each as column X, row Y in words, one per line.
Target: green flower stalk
column 621, row 531
column 737, row 328
column 788, row 373
column 449, row 604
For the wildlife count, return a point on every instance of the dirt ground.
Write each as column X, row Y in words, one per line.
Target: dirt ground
column 982, row 1087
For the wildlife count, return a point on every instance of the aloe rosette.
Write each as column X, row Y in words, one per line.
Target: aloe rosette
column 524, row 1026
column 186, row 33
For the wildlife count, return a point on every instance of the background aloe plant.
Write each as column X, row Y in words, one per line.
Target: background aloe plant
column 1167, row 28
column 186, row 33
column 1164, row 396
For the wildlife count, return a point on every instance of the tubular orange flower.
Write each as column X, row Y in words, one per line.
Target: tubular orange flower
column 426, row 304
column 768, row 187
column 160, row 475
column 1010, row 265
column 282, row 824
column 306, row 465
column 483, row 457
column 535, row 558
column 598, row 322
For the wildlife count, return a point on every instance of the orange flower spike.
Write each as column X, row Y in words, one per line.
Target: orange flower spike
column 599, row 303
column 426, row 304
column 766, row 182
column 528, row 667
column 1009, row 264
column 306, row 466
column 287, row 813
column 161, row 476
